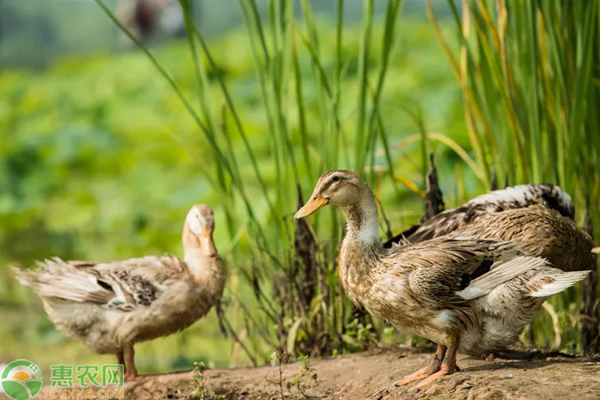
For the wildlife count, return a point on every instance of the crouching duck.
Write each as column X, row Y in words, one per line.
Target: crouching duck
column 539, row 231
column 111, row 306
column 511, row 198
column 465, row 293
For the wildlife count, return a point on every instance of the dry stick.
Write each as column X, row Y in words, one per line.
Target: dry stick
column 589, row 322
column 434, row 204
column 388, row 227
column 280, row 355
column 434, row 201
column 511, row 170
column 494, row 181
column 304, row 263
column 221, row 313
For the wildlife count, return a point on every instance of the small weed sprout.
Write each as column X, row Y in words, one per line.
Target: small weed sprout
column 201, row 393
column 298, row 380
column 281, row 359
column 359, row 336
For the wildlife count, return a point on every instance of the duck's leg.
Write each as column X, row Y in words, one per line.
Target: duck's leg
column 121, row 360
column 448, row 367
column 130, row 370
column 433, row 367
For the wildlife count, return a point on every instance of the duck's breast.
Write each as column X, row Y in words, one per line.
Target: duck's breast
column 391, row 299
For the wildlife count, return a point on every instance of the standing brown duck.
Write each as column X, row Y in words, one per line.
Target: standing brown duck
column 111, row 306
column 466, row 294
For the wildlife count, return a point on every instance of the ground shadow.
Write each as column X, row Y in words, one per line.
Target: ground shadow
column 533, row 361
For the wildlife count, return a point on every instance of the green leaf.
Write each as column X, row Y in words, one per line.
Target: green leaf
column 291, row 339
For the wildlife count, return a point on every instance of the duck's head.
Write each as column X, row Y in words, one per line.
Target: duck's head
column 198, row 230
column 200, row 220
column 339, row 188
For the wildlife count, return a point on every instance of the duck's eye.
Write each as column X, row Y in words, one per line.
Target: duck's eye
column 335, row 178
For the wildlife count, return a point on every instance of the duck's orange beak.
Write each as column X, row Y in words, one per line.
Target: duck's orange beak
column 316, row 201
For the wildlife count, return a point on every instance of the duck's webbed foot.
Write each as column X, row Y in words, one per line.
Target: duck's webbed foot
column 444, row 370
column 432, row 368
column 448, row 367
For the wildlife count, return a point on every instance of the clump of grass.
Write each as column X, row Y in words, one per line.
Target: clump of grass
column 299, row 381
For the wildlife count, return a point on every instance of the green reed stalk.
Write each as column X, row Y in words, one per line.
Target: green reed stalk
column 363, row 69
column 218, row 154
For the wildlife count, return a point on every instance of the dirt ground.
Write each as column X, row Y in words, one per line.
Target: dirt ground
column 371, row 376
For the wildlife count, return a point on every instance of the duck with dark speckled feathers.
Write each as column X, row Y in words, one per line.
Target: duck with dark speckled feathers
column 111, row 306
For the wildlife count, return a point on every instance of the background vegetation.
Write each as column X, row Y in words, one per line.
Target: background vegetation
column 101, row 158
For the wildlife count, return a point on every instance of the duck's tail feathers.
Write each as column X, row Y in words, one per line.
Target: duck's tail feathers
column 560, row 283
column 596, row 250
column 64, row 283
column 23, row 276
column 500, row 274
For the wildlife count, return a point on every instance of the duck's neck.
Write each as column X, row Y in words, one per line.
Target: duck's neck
column 362, row 221
column 361, row 247
column 202, row 259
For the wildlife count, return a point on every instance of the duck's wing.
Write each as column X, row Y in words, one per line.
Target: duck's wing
column 123, row 285
column 539, row 231
column 449, row 272
column 514, row 197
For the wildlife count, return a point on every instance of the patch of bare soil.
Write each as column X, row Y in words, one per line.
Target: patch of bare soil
column 372, row 376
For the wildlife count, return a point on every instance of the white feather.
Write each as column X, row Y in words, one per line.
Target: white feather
column 522, row 194
column 565, row 200
column 510, row 194
column 498, row 275
column 443, row 318
column 561, row 283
